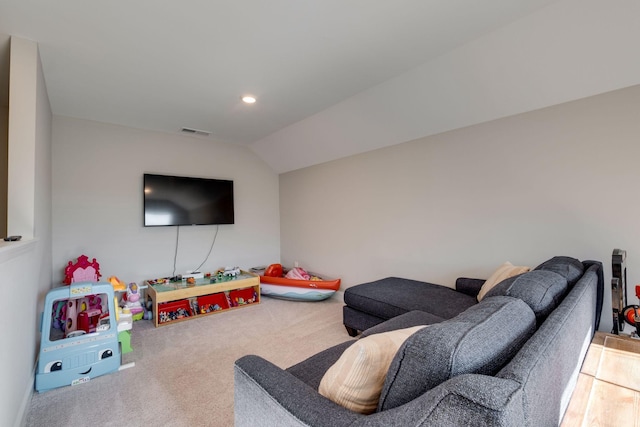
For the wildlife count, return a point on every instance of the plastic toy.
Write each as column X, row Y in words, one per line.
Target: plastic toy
column 82, row 271
column 71, row 320
column 95, row 303
column 274, row 270
column 231, row 271
column 77, row 356
column 132, row 301
column 208, row 308
column 118, row 285
column 88, row 319
column 59, row 315
column 276, row 282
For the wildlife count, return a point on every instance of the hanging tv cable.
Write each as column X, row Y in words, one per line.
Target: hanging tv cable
column 210, row 249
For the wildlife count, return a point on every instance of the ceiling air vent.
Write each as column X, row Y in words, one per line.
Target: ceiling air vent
column 196, row 132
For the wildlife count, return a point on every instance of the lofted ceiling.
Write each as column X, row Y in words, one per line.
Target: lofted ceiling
column 166, row 65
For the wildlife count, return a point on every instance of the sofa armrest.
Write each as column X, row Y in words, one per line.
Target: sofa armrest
column 265, row 395
column 468, row 399
column 469, row 286
column 474, row 399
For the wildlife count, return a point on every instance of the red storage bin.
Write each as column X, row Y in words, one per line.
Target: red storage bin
column 243, row 296
column 213, row 302
column 174, row 310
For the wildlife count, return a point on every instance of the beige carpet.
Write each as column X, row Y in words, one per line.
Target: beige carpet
column 183, row 373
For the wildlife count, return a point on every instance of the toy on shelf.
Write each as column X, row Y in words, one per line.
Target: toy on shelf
column 231, row 271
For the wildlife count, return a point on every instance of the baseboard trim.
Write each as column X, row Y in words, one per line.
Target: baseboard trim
column 21, row 418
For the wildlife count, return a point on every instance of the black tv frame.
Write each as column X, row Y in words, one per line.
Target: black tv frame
column 187, row 200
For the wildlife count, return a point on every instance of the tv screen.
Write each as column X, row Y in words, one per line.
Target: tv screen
column 180, row 200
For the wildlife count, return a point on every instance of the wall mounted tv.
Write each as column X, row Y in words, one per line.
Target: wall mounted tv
column 181, row 200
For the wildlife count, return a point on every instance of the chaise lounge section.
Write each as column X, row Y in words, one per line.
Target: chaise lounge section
column 510, row 359
column 372, row 303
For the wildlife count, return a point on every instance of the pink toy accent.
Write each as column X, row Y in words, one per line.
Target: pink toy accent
column 82, row 271
column 132, row 299
column 96, row 302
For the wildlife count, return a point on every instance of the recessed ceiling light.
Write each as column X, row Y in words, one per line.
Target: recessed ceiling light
column 248, row 99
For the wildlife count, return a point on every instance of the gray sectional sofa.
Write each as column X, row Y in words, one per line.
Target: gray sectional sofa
column 510, row 360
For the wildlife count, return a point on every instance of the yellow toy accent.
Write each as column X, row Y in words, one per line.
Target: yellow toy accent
column 118, row 285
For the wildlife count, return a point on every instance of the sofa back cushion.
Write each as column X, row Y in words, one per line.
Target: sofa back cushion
column 548, row 364
column 503, row 272
column 569, row 268
column 481, row 340
column 542, row 290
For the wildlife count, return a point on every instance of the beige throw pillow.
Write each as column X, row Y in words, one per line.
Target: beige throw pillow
column 355, row 381
column 503, row 272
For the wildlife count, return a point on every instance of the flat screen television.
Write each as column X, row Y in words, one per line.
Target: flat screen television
column 181, row 200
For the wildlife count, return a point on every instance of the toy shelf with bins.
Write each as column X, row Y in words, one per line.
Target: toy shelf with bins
column 178, row 301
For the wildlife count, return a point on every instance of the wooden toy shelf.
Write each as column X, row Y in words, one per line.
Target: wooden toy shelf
column 178, row 301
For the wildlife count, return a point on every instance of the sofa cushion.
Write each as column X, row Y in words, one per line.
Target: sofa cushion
column 569, row 268
column 393, row 296
column 480, row 340
column 542, row 290
column 503, row 272
column 356, row 379
column 311, row 370
column 407, row 320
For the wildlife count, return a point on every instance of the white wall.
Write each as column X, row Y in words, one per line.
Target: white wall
column 4, row 144
column 97, row 201
column 563, row 180
column 25, row 267
column 5, row 42
column 566, row 51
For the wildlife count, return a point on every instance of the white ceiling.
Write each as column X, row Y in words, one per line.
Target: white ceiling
column 165, row 65
column 171, row 64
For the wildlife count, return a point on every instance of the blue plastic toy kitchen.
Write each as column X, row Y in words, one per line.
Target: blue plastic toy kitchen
column 79, row 339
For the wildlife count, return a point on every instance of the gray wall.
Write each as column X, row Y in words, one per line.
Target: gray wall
column 558, row 181
column 97, row 202
column 4, row 128
column 94, row 206
column 4, row 151
column 25, row 267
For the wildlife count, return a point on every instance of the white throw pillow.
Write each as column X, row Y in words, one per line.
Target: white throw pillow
column 503, row 272
column 355, row 381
